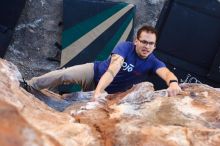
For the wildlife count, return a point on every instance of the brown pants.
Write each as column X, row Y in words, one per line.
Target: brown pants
column 79, row 74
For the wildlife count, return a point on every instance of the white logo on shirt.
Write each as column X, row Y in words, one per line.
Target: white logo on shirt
column 128, row 67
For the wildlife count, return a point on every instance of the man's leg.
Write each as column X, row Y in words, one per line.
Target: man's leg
column 79, row 74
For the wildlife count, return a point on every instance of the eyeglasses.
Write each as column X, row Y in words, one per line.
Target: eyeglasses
column 147, row 43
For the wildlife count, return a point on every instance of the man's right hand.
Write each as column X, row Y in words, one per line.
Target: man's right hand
column 108, row 76
column 98, row 95
column 97, row 101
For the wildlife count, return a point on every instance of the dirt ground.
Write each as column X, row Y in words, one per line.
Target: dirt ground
column 38, row 30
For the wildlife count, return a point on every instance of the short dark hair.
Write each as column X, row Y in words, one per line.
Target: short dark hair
column 146, row 28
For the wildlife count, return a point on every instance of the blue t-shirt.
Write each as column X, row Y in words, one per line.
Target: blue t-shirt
column 133, row 70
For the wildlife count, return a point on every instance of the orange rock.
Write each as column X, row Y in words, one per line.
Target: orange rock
column 15, row 131
column 137, row 117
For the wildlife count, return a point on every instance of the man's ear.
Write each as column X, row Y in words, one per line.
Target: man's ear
column 135, row 41
column 155, row 46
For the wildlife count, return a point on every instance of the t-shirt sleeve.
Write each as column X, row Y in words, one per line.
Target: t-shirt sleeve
column 121, row 49
column 157, row 64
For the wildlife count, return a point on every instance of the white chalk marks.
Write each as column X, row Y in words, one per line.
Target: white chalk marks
column 190, row 79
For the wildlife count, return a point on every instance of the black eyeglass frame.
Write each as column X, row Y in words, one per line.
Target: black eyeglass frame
column 146, row 42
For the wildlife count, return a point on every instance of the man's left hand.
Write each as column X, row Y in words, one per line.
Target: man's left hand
column 173, row 89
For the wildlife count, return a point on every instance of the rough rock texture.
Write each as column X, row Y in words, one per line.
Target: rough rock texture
column 34, row 37
column 38, row 30
column 138, row 117
column 147, row 11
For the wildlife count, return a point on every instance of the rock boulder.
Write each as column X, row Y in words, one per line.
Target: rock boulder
column 137, row 117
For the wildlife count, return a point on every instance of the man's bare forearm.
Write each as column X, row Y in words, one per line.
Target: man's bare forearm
column 166, row 75
column 105, row 80
column 108, row 76
column 170, row 76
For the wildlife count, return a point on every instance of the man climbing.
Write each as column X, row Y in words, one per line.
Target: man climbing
column 128, row 64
